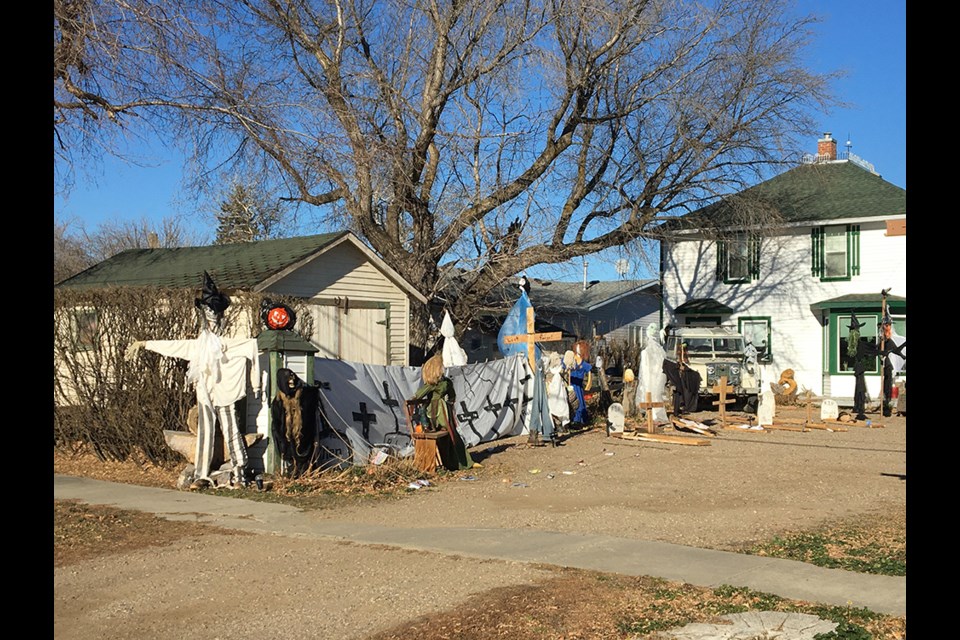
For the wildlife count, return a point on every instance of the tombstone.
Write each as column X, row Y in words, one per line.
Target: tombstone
column 615, row 418
column 829, row 409
column 767, row 409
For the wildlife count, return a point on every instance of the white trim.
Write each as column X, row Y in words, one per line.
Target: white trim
column 794, row 225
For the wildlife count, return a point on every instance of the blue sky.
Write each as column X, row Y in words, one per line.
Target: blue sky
column 866, row 39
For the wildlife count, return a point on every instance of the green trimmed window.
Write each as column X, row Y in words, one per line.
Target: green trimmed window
column 841, row 360
column 835, row 252
column 756, row 331
column 738, row 258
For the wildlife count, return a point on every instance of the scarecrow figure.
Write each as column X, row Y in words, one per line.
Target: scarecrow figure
column 218, row 370
column 438, row 389
column 684, row 380
column 581, row 380
column 858, row 352
column 894, row 352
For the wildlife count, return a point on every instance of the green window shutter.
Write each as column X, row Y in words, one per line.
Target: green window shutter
column 816, row 251
column 853, row 247
column 754, row 257
column 721, row 260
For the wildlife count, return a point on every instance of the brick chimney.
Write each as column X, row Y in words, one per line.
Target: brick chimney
column 826, row 148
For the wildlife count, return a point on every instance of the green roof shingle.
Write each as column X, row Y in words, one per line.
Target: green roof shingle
column 808, row 193
column 232, row 266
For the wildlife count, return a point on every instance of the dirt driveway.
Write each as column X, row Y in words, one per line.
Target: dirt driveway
column 744, row 486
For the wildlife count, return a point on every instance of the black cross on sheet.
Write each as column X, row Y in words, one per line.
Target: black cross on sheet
column 469, row 416
column 492, row 407
column 366, row 419
column 390, row 402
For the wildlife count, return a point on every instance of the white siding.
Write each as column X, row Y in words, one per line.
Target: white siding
column 784, row 292
column 345, row 272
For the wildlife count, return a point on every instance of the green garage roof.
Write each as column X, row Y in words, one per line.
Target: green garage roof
column 242, row 265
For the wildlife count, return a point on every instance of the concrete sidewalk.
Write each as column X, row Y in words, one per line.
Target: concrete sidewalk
column 702, row 567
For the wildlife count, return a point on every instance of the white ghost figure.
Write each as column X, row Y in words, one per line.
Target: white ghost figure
column 557, row 399
column 652, row 378
column 453, row 354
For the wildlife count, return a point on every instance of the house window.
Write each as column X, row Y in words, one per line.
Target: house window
column 835, row 252
column 738, row 258
column 84, row 326
column 756, row 331
column 868, row 334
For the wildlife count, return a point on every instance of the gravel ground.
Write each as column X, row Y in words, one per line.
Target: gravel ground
column 745, row 486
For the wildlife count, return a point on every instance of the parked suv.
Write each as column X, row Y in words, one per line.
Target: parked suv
column 714, row 352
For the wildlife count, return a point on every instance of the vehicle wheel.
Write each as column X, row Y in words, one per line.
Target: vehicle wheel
column 750, row 404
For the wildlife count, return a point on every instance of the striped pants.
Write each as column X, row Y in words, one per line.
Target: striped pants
column 207, row 417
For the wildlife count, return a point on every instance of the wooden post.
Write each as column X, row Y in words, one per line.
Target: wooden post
column 721, row 388
column 531, row 338
column 649, row 405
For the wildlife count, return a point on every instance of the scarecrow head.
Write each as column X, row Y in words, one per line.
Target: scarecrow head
column 581, row 350
column 277, row 316
column 212, row 304
column 432, row 371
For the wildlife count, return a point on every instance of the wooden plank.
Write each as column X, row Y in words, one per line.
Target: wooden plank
column 696, row 428
column 539, row 337
column 781, row 427
column 653, row 437
column 855, row 423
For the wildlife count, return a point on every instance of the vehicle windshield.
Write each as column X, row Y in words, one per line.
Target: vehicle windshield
column 728, row 345
column 706, row 346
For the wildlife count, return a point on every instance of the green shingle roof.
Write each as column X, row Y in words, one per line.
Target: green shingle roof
column 808, row 193
column 860, row 301
column 232, row 266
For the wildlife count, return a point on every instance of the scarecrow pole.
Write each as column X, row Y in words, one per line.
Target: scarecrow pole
column 883, row 340
column 531, row 338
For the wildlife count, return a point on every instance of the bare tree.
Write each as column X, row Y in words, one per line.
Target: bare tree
column 492, row 135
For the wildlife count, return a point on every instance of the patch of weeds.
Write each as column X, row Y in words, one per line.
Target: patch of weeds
column 845, row 631
column 665, row 594
column 728, row 591
column 648, row 625
column 875, row 549
column 842, row 614
column 765, row 601
column 723, row 608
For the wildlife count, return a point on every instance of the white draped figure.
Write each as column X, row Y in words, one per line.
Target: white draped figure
column 557, row 398
column 453, row 354
column 651, row 376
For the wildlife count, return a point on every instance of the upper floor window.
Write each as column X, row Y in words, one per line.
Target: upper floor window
column 738, row 258
column 835, row 252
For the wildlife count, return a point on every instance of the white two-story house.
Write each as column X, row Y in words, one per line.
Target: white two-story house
column 788, row 261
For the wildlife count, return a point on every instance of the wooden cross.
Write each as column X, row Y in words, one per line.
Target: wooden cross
column 649, row 405
column 722, row 389
column 530, row 337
